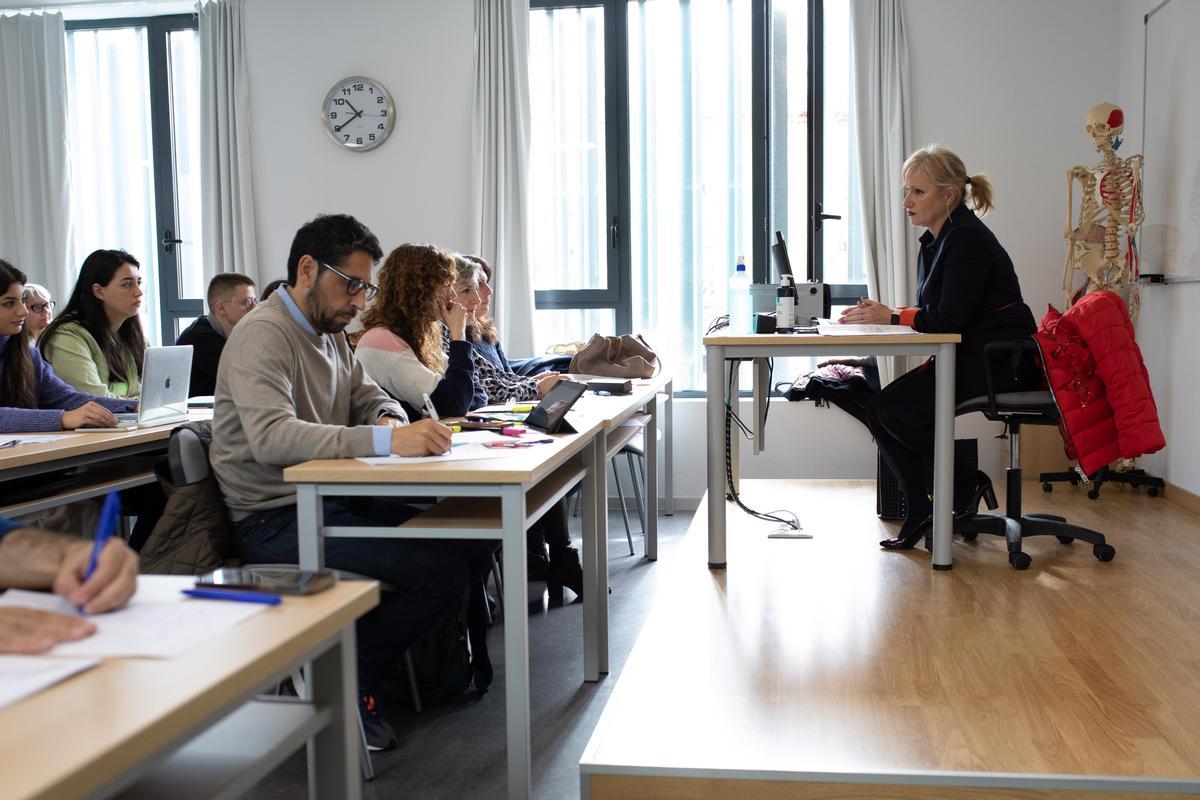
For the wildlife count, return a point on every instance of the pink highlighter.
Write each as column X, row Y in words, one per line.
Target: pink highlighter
column 513, row 431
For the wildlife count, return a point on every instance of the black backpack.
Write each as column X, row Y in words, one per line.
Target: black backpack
column 442, row 659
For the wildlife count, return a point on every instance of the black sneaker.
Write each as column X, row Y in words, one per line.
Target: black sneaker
column 379, row 733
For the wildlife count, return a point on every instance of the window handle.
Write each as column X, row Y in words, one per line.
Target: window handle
column 169, row 242
column 613, row 230
column 821, row 215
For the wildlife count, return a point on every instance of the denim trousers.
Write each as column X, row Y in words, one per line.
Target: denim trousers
column 423, row 579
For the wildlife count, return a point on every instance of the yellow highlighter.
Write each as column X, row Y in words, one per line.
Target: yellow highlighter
column 456, row 428
column 522, row 408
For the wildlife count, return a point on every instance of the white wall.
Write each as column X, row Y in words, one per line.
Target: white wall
column 413, row 187
column 1168, row 326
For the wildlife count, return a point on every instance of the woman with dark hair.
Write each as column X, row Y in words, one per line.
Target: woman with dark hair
column 32, row 397
column 96, row 344
column 415, row 339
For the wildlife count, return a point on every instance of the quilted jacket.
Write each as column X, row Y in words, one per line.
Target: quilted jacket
column 1099, row 381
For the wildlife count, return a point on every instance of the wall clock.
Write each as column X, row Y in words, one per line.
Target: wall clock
column 358, row 113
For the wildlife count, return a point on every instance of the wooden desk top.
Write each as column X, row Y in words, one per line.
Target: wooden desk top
column 84, row 444
column 91, row 728
column 817, row 340
column 526, row 466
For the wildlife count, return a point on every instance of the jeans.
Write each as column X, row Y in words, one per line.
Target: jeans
column 424, row 580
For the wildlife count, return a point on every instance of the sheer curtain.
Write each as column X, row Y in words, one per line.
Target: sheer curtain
column 881, row 97
column 35, row 198
column 500, row 163
column 230, row 242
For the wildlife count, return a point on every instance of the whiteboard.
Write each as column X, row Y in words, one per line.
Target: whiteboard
column 1170, row 242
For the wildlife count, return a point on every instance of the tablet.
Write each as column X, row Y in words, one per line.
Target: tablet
column 549, row 416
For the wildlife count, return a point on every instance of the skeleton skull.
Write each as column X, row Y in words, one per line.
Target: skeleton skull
column 1104, row 123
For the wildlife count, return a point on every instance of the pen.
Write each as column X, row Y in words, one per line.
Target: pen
column 9, row 443
column 235, row 596
column 429, row 409
column 104, row 531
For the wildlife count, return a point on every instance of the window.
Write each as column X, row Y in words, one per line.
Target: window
column 133, row 102
column 657, row 103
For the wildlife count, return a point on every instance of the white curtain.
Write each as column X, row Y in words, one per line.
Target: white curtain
column 881, row 96
column 500, row 164
column 35, row 199
column 227, row 191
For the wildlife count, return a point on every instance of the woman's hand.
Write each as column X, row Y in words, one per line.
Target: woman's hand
column 90, row 414
column 456, row 318
column 866, row 312
column 546, row 381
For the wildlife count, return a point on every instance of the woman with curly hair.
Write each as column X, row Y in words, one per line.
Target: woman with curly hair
column 415, row 342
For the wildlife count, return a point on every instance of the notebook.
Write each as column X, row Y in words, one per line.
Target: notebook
column 166, row 375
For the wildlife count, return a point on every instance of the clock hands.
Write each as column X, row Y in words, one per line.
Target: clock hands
column 357, row 114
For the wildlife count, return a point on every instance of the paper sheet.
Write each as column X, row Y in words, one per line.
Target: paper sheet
column 35, row 438
column 22, row 676
column 837, row 329
column 465, row 446
column 158, row 622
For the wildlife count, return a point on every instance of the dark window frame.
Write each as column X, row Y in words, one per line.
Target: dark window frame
column 166, row 205
column 618, row 295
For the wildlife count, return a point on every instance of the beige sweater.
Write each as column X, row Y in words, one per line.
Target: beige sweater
column 286, row 396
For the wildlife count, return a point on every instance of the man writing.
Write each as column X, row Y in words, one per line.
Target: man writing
column 289, row 390
column 36, row 559
column 230, row 297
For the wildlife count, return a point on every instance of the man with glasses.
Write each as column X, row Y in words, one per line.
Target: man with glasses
column 290, row 390
column 230, row 297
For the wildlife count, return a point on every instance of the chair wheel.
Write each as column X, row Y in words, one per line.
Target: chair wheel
column 1104, row 552
column 1047, row 487
column 1065, row 539
column 970, row 537
column 1019, row 561
column 1093, row 494
column 1152, row 491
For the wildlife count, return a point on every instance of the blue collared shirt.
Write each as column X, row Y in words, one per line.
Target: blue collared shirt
column 382, row 435
column 7, row 525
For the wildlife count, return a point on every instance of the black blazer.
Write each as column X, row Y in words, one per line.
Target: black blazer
column 966, row 284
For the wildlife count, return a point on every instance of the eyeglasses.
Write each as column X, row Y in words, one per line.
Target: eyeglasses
column 38, row 308
column 249, row 303
column 354, row 286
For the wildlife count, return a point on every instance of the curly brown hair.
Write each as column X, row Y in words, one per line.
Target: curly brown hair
column 483, row 327
column 411, row 280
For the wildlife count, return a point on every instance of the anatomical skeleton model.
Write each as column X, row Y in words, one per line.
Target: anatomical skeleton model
column 1103, row 245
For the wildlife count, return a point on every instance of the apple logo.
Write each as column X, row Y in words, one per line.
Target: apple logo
column 168, row 385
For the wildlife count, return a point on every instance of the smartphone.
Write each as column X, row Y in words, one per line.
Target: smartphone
column 282, row 579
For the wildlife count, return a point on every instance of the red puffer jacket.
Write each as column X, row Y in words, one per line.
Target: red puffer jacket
column 1099, row 381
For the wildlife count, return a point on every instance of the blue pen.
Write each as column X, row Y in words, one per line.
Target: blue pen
column 104, row 531
column 235, row 596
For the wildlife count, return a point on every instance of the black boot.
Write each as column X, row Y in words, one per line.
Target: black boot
column 481, row 664
column 914, row 527
column 565, row 570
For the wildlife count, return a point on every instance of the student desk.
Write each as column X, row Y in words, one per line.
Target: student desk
column 506, row 496
column 724, row 346
column 190, row 726
column 112, row 449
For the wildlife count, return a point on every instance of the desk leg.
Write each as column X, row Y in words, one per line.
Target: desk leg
column 669, row 447
column 333, row 753
column 516, row 642
column 715, row 409
column 651, row 476
column 310, row 517
column 943, row 460
column 595, row 561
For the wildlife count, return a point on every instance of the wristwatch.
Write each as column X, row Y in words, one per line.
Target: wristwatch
column 895, row 318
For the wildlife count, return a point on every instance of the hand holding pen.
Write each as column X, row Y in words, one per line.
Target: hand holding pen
column 102, row 575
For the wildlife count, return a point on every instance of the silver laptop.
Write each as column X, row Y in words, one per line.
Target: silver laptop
column 166, row 375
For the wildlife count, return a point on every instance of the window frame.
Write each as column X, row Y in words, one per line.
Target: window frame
column 618, row 295
column 171, row 305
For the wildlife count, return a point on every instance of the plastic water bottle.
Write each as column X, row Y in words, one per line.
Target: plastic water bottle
column 739, row 298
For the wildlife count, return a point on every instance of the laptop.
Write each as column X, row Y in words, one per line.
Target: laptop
column 166, row 375
column 550, row 414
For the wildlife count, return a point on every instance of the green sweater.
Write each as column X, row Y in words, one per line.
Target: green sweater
column 78, row 360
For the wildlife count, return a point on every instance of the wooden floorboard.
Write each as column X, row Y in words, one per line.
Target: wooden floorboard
column 863, row 673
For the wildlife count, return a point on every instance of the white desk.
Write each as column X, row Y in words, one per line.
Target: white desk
column 723, row 346
column 190, row 726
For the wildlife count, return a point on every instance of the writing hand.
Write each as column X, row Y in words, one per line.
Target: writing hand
column 111, row 585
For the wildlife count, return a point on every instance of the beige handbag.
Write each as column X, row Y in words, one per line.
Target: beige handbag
column 622, row 356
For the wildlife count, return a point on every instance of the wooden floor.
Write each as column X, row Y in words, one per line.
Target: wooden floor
column 827, row 668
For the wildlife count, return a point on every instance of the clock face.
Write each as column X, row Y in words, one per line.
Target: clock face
column 359, row 113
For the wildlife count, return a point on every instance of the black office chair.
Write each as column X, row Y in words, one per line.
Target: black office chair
column 1015, row 409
